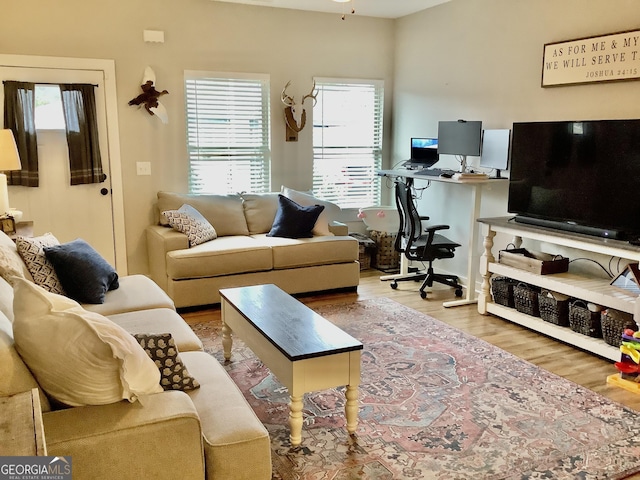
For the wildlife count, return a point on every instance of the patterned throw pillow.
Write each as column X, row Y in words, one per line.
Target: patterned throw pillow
column 31, row 249
column 190, row 221
column 161, row 348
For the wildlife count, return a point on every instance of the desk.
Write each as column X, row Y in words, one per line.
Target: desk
column 472, row 263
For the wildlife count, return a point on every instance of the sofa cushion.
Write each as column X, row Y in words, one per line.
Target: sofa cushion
column 236, row 441
column 293, row 220
column 11, row 265
column 78, row 357
column 225, row 256
column 136, row 292
column 260, row 211
column 224, row 212
column 83, row 273
column 330, row 213
column 303, row 252
column 31, row 249
column 14, row 374
column 158, row 320
column 190, row 221
column 162, row 349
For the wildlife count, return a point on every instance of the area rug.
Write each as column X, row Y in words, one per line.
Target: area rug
column 436, row 403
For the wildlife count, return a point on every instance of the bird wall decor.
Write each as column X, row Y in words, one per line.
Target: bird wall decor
column 149, row 96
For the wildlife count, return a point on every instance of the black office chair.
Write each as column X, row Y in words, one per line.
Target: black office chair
column 421, row 247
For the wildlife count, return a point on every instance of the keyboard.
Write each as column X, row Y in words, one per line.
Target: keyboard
column 433, row 172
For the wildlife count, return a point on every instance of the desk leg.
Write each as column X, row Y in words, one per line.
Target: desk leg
column 295, row 420
column 472, row 263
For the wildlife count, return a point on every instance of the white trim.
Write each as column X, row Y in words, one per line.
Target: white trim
column 113, row 138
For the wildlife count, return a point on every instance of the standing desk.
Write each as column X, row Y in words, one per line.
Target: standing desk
column 476, row 185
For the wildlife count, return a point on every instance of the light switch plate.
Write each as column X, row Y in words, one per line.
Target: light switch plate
column 143, row 168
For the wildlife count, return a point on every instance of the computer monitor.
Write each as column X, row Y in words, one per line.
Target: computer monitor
column 424, row 152
column 460, row 137
column 495, row 150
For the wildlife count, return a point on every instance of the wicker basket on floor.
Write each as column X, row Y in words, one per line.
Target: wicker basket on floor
column 525, row 298
column 584, row 321
column 613, row 323
column 502, row 291
column 553, row 310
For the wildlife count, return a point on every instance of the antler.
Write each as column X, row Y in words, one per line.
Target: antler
column 286, row 99
column 310, row 94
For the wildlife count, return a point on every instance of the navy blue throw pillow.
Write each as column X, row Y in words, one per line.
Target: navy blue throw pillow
column 293, row 220
column 84, row 274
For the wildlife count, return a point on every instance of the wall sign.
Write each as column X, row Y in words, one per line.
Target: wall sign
column 594, row 59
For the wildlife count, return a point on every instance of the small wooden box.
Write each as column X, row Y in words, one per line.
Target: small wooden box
column 535, row 262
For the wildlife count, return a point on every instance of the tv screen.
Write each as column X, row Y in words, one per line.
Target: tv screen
column 424, row 151
column 460, row 138
column 577, row 175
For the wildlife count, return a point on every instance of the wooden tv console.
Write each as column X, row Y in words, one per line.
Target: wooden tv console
column 589, row 289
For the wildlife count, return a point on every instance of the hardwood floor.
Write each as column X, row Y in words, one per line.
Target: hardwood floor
column 580, row 367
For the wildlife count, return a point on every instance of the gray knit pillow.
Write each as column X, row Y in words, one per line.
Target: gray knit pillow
column 190, row 221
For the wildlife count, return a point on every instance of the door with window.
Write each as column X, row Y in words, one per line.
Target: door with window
column 69, row 212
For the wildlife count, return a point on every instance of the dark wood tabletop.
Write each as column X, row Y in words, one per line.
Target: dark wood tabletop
column 293, row 328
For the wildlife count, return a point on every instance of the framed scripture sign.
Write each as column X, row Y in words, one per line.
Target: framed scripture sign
column 594, row 59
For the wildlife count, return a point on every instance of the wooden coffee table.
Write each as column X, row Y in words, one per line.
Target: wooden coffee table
column 303, row 350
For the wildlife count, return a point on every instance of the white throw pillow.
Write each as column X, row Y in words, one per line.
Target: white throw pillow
column 329, row 214
column 78, row 357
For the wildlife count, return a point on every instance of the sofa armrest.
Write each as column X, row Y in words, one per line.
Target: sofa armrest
column 130, row 440
column 338, row 228
column 160, row 241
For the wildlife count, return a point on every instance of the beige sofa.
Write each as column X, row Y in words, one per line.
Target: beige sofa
column 243, row 254
column 207, row 433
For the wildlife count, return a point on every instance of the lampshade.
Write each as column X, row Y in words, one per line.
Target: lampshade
column 9, row 158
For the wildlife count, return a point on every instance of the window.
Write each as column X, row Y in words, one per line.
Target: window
column 48, row 113
column 347, row 141
column 228, row 137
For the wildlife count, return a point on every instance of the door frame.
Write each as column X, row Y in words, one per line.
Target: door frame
column 113, row 138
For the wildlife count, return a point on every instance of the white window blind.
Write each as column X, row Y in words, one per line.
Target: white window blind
column 347, row 141
column 228, row 136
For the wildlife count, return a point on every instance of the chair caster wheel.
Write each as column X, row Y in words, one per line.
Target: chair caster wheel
column 394, row 285
column 458, row 292
column 423, row 295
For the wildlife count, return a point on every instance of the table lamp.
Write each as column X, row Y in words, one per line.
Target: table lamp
column 9, row 160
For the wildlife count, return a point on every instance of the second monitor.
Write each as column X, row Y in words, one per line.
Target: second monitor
column 461, row 137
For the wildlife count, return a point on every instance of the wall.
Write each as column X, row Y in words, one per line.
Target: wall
column 482, row 60
column 199, row 35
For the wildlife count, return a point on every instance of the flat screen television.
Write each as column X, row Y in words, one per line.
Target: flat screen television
column 424, row 152
column 580, row 176
column 460, row 137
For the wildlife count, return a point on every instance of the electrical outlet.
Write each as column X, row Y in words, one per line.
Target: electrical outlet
column 143, row 168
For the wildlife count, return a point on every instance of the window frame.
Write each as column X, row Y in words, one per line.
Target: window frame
column 369, row 191
column 240, row 157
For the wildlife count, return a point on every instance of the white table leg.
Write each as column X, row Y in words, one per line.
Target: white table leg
column 295, row 420
column 351, row 408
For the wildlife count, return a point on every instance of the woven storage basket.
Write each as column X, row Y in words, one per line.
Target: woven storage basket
column 525, row 298
column 502, row 290
column 553, row 310
column 613, row 323
column 584, row 321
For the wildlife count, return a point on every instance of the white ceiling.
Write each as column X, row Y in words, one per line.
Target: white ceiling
column 367, row 8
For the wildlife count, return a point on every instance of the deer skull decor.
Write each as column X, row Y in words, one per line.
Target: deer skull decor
column 295, row 115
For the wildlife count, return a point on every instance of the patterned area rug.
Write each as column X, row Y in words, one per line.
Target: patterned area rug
column 436, row 403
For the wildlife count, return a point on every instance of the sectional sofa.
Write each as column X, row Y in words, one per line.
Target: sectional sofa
column 243, row 253
column 121, row 424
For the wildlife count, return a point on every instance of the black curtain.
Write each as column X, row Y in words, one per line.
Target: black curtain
column 19, row 116
column 79, row 106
